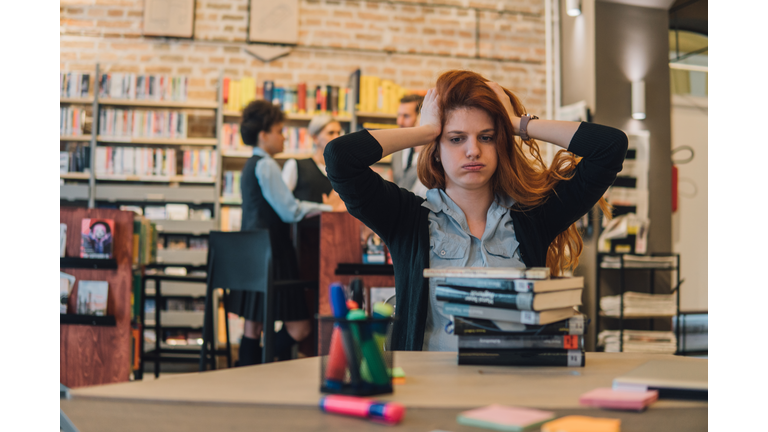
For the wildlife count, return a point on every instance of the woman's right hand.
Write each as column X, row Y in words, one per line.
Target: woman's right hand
column 430, row 113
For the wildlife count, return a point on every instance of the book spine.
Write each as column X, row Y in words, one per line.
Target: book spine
column 568, row 342
column 524, row 317
column 512, row 357
column 571, row 326
column 522, row 301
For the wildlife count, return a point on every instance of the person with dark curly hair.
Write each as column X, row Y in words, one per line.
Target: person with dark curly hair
column 269, row 204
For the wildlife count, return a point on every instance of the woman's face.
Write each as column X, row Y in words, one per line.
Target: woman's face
column 468, row 149
column 331, row 131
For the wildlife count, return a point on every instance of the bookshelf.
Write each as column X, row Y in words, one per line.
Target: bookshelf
column 159, row 141
column 630, row 270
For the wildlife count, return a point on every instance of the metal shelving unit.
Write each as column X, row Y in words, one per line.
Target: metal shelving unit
column 623, row 270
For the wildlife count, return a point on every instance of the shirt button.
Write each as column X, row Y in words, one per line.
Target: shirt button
column 442, row 253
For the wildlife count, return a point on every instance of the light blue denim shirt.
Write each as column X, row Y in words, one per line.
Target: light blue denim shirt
column 277, row 193
column 452, row 245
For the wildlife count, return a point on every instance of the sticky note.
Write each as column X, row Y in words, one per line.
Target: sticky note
column 619, row 399
column 504, row 418
column 582, row 424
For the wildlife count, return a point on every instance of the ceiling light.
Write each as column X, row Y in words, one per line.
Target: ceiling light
column 573, row 7
column 638, row 100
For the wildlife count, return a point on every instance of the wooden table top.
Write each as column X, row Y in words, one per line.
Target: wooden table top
column 433, row 381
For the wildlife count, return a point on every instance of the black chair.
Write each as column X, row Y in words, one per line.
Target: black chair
column 242, row 261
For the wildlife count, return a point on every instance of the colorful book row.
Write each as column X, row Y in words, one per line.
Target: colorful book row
column 231, row 184
column 143, row 87
column 143, row 123
column 301, row 98
column 74, row 84
column 141, row 161
column 71, row 121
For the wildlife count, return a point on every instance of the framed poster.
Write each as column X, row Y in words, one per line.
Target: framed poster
column 170, row 18
column 274, row 21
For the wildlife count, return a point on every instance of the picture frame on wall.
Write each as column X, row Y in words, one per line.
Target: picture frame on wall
column 273, row 22
column 169, row 18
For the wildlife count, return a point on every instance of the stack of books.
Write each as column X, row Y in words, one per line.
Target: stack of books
column 640, row 304
column 638, row 341
column 513, row 316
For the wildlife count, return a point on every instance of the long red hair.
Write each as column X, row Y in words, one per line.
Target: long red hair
column 520, row 173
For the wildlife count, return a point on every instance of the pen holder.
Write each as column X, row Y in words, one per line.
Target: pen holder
column 353, row 358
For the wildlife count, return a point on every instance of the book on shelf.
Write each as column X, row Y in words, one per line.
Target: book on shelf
column 232, row 140
column 379, row 95
column 691, row 323
column 297, row 140
column 642, row 304
column 177, row 211
column 97, row 238
column 639, row 261
column 72, row 120
column 199, row 163
column 522, row 342
column 372, row 246
column 648, row 341
column 155, row 212
column 143, row 123
column 230, row 188
column 176, row 242
column 74, row 84
column 231, row 218
column 92, row 297
column 62, row 239
column 139, row 161
column 144, row 240
column 488, row 272
column 160, row 87
column 463, row 326
column 202, row 214
column 511, row 315
column 509, row 300
column 198, row 243
column 516, row 285
column 521, row 357
column 66, row 283
column 75, row 158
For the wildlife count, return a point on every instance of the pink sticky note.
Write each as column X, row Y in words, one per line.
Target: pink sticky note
column 619, row 399
column 504, row 418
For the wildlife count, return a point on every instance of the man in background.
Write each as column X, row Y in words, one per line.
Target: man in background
column 404, row 162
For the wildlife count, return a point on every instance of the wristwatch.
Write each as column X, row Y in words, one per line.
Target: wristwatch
column 524, row 126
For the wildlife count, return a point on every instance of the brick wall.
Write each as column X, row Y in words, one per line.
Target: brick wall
column 408, row 43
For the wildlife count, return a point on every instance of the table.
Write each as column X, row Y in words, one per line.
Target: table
column 282, row 396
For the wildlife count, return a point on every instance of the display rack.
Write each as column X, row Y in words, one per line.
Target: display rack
column 623, row 271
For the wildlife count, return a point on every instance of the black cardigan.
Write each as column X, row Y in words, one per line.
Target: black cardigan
column 398, row 217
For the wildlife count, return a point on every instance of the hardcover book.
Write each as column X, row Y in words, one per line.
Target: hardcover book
column 517, row 285
column 97, row 236
column 92, row 297
column 481, row 327
column 521, row 357
column 488, row 272
column 509, row 300
column 570, row 342
column 516, row 316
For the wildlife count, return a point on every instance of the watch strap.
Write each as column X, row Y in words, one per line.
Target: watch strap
column 524, row 126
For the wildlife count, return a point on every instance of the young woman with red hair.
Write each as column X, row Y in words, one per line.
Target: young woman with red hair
column 491, row 201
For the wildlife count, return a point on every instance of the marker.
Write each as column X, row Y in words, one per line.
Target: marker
column 381, row 311
column 388, row 413
column 339, row 308
column 373, row 368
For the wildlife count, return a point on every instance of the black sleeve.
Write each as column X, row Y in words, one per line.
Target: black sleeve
column 379, row 204
column 602, row 149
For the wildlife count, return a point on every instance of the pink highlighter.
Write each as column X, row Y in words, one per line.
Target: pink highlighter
column 389, row 412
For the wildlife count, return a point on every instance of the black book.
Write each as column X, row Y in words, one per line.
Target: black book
column 521, row 357
column 509, row 300
column 84, row 84
column 475, row 326
column 568, row 342
column 516, row 285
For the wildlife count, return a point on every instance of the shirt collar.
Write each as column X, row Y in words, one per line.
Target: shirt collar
column 258, row 151
column 437, row 201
